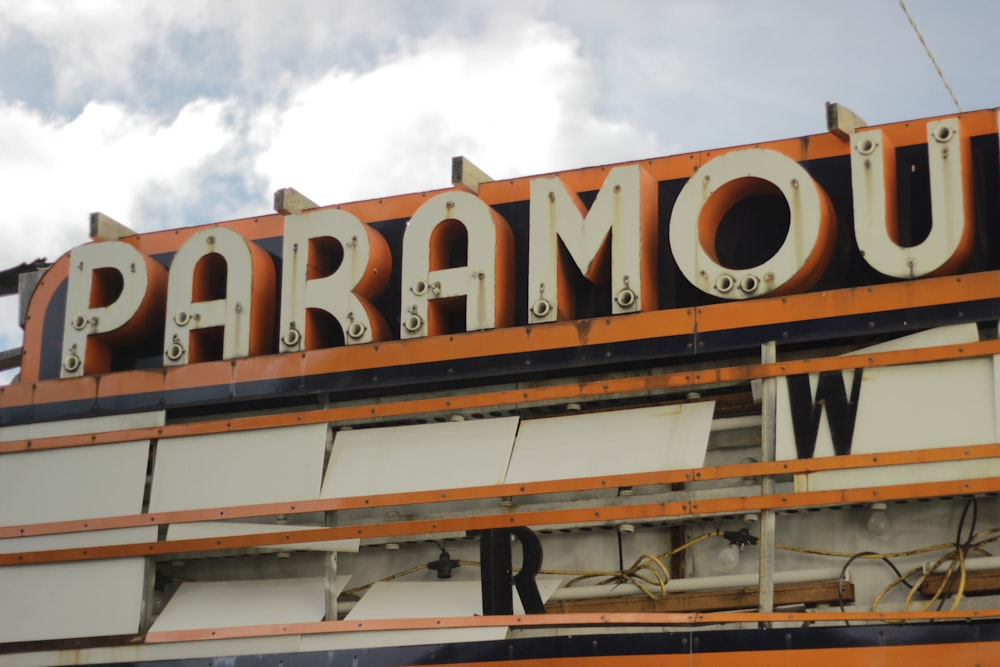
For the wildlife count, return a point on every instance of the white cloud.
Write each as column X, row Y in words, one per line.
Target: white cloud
column 101, row 160
column 106, row 159
column 113, row 49
column 11, row 337
column 91, row 43
column 515, row 101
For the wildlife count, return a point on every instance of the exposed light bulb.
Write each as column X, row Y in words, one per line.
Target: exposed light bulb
column 878, row 520
column 729, row 557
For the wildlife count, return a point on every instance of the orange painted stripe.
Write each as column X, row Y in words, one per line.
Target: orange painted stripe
column 559, row 621
column 515, row 518
column 737, row 471
column 560, row 335
column 521, row 397
column 848, row 301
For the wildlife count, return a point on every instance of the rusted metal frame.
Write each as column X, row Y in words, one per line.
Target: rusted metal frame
column 514, row 518
column 713, row 473
column 559, row 620
column 522, row 396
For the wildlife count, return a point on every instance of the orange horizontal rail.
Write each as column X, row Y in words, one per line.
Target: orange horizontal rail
column 521, row 396
column 713, row 473
column 560, row 620
column 513, row 517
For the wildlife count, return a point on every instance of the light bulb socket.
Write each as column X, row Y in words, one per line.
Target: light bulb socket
column 740, row 538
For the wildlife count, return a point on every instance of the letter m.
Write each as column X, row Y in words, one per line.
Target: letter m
column 620, row 229
column 807, row 411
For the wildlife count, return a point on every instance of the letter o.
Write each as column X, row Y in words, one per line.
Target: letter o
column 725, row 181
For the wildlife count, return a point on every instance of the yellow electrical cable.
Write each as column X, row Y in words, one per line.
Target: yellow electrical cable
column 650, row 570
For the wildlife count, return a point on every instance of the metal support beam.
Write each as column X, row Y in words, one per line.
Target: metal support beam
column 330, row 573
column 148, row 612
column 768, row 448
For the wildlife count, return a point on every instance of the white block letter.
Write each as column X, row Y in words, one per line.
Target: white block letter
column 873, row 178
column 621, row 223
column 115, row 295
column 333, row 263
column 440, row 228
column 220, row 299
column 722, row 183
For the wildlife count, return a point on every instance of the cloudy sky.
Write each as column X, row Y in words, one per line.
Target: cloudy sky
column 171, row 113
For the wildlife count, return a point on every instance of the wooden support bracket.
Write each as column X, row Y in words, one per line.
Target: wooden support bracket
column 289, row 201
column 841, row 121
column 464, row 173
column 723, row 600
column 105, row 228
column 976, row 583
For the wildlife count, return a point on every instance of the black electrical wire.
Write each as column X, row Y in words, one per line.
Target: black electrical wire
column 972, row 526
column 621, row 556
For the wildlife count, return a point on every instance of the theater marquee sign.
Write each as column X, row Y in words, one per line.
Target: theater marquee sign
column 625, row 266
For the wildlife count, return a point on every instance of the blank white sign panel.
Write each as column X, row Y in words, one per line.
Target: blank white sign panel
column 398, row 459
column 63, row 600
column 667, row 437
column 241, row 468
column 73, row 483
column 221, row 604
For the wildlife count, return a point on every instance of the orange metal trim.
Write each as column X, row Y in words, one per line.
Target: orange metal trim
column 847, row 301
column 514, row 518
column 34, row 321
column 558, row 335
column 737, row 471
column 149, row 381
column 558, row 620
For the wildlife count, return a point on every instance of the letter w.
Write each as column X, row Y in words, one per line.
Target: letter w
column 807, row 411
